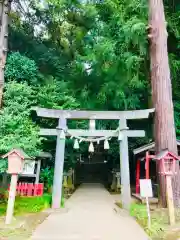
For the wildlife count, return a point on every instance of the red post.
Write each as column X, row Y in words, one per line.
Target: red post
column 19, row 189
column 30, row 189
column 138, row 176
column 40, row 189
column 147, row 165
column 22, row 189
column 25, row 189
column 35, row 189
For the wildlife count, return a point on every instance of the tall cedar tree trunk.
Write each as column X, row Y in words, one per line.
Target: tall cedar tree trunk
column 4, row 18
column 165, row 135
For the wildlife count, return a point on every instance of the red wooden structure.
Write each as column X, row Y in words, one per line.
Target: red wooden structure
column 142, row 151
column 148, row 157
column 168, row 162
column 30, row 189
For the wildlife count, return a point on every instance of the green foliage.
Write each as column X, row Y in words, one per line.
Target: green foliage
column 46, row 176
column 117, row 56
column 17, row 129
column 173, row 12
column 56, row 94
column 20, row 68
column 177, row 117
column 3, row 165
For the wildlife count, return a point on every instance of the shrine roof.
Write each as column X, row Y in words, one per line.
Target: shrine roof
column 22, row 154
column 44, row 155
column 149, row 146
column 19, row 152
column 164, row 153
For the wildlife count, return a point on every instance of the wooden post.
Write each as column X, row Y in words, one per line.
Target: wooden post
column 138, row 166
column 4, row 180
column 59, row 165
column 147, row 165
column 124, row 165
column 38, row 171
column 11, row 199
column 170, row 201
column 148, row 212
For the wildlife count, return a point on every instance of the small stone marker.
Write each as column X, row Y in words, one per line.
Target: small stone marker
column 146, row 192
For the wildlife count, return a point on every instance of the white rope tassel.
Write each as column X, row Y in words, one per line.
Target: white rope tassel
column 62, row 135
column 106, row 144
column 91, row 147
column 120, row 136
column 76, row 144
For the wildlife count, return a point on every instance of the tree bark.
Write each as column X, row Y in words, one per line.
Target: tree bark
column 1, row 10
column 165, row 135
column 5, row 10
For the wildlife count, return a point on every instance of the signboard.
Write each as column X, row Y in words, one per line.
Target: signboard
column 146, row 188
column 28, row 167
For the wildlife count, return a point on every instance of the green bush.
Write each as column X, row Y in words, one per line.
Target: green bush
column 46, row 177
column 21, row 69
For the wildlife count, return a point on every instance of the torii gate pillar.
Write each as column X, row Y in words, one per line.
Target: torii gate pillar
column 59, row 166
column 124, row 166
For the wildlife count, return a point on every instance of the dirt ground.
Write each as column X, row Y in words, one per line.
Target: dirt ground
column 21, row 227
column 170, row 232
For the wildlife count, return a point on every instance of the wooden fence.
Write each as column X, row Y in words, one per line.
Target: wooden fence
column 29, row 189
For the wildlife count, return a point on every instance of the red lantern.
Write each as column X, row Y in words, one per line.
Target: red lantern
column 167, row 162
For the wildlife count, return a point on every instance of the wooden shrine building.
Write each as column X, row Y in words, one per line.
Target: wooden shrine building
column 145, row 167
column 31, row 167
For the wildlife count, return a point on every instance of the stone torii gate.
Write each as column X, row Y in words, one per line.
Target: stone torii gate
column 122, row 133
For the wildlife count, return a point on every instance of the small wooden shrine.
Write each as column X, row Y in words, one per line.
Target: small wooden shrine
column 32, row 166
column 145, row 168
